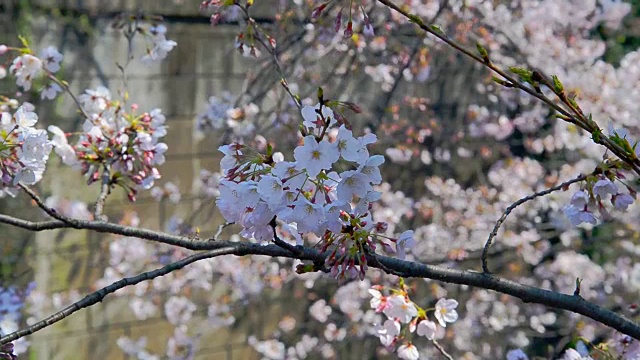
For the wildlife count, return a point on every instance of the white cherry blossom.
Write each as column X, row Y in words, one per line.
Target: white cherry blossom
column 446, row 311
column 427, row 329
column 315, row 157
column 400, row 308
column 408, row 351
column 51, row 58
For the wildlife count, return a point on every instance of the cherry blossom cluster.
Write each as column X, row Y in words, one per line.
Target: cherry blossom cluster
column 24, row 150
column 126, row 143
column 401, row 311
column 307, row 196
column 585, row 202
column 222, row 10
column 27, row 67
column 160, row 46
column 222, row 114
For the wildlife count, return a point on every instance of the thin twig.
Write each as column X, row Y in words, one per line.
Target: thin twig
column 50, row 211
column 441, row 349
column 219, row 231
column 281, row 243
column 511, row 207
column 272, row 51
column 573, row 115
column 97, row 296
column 66, row 88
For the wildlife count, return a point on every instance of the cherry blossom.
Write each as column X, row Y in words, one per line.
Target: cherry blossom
column 400, row 308
column 404, row 241
column 604, row 187
column 408, row 351
column 622, row 201
column 388, row 332
column 517, row 354
column 25, row 68
column 51, row 58
column 445, row 311
column 161, row 46
column 315, row 119
column 315, row 156
column 25, row 150
column 427, row 329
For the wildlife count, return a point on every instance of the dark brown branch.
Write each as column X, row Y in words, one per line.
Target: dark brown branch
column 528, row 294
column 99, row 295
column 512, row 207
column 399, row 267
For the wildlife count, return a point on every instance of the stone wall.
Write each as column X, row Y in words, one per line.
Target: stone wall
column 203, row 64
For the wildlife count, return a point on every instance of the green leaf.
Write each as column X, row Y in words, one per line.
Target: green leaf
column 596, row 135
column 415, row 19
column 557, row 85
column 437, row 29
column 499, row 81
column 483, row 52
column 524, row 74
column 24, row 41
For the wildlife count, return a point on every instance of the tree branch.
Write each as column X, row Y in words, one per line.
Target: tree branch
column 511, row 207
column 573, row 115
column 99, row 295
column 395, row 266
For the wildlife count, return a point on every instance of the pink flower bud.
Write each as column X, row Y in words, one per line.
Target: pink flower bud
column 348, row 32
column 215, row 19
column 317, row 11
column 3, row 49
column 382, row 226
column 338, row 23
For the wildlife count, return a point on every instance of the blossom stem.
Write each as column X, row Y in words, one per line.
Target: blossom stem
column 441, row 349
column 105, row 190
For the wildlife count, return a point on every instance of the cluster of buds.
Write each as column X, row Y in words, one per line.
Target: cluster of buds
column 367, row 27
column 404, row 317
column 125, row 143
